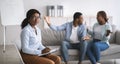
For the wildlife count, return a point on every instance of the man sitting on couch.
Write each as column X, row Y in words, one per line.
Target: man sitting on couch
column 75, row 36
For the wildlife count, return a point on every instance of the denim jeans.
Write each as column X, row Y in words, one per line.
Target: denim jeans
column 94, row 49
column 82, row 47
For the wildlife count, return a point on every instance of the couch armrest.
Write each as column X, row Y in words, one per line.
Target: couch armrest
column 117, row 37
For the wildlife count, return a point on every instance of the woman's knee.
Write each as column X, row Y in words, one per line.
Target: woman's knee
column 49, row 61
column 58, row 58
column 95, row 45
column 55, row 58
column 64, row 43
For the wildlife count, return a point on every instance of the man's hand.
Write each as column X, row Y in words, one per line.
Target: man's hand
column 47, row 19
column 45, row 50
column 86, row 38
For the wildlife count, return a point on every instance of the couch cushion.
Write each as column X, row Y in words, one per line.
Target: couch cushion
column 70, row 51
column 117, row 40
column 114, row 48
column 110, row 51
column 50, row 37
column 112, row 37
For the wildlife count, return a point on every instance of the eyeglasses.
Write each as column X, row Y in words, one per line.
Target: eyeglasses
column 36, row 17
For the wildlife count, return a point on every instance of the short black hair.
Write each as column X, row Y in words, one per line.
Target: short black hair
column 77, row 15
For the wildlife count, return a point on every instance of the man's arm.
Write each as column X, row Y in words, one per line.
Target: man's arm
column 56, row 28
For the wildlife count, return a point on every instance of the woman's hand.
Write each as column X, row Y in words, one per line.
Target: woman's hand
column 108, row 33
column 47, row 19
column 45, row 50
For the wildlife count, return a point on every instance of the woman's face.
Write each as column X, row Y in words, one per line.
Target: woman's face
column 35, row 19
column 100, row 19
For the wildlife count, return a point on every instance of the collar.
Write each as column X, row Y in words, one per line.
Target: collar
column 31, row 28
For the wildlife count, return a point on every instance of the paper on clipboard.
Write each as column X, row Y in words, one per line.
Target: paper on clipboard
column 51, row 51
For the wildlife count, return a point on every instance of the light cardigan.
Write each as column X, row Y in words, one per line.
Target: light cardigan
column 67, row 27
column 30, row 42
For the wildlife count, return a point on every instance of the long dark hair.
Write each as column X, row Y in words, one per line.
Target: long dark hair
column 29, row 14
column 103, row 14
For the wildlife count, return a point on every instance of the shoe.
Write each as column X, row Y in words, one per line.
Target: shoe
column 98, row 63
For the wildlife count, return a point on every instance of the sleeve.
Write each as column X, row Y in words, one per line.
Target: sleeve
column 84, row 32
column 90, row 32
column 58, row 28
column 25, row 44
column 41, row 47
column 108, row 27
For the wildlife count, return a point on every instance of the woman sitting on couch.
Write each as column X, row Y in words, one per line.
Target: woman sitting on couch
column 101, row 34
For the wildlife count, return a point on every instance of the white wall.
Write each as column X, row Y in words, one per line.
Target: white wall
column 87, row 7
column 91, row 7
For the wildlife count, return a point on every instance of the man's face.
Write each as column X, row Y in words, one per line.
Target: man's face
column 80, row 19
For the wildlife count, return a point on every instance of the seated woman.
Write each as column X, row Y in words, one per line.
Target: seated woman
column 101, row 34
column 32, row 43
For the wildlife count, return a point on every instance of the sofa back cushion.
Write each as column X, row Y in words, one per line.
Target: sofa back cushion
column 117, row 39
column 112, row 37
column 50, row 37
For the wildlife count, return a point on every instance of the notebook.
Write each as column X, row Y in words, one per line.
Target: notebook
column 51, row 51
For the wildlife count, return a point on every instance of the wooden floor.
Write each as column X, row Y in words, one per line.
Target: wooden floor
column 11, row 55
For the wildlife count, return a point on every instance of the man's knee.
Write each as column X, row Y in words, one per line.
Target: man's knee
column 64, row 43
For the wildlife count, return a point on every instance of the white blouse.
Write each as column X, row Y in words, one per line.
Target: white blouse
column 100, row 32
column 30, row 41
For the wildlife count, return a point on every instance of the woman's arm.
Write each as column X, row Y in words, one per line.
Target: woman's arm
column 56, row 28
column 108, row 32
column 90, row 31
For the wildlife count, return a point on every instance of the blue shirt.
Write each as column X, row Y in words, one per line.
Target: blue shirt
column 30, row 42
column 67, row 27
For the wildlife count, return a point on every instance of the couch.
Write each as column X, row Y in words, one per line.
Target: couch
column 53, row 40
